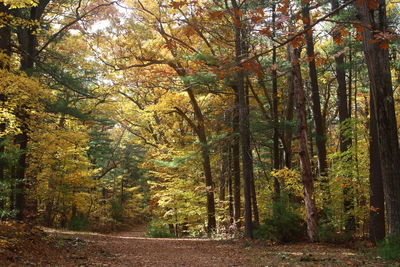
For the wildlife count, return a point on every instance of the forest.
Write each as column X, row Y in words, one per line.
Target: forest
column 263, row 120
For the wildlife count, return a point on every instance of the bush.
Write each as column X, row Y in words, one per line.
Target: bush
column 158, row 229
column 78, row 223
column 285, row 224
column 328, row 233
column 117, row 210
column 389, row 249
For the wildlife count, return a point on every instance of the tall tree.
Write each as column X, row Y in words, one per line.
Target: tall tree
column 376, row 35
column 320, row 139
column 307, row 176
column 377, row 201
column 240, row 52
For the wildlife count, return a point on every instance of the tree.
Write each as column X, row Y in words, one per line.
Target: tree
column 376, row 35
column 307, row 176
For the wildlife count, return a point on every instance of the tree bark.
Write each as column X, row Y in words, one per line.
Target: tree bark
column 277, row 190
column 377, row 59
column 236, row 164
column 377, row 201
column 230, row 187
column 224, row 172
column 243, row 121
column 289, row 118
column 307, row 177
column 205, row 153
column 320, row 139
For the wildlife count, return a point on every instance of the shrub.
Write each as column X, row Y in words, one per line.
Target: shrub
column 158, row 229
column 328, row 233
column 78, row 223
column 117, row 210
column 285, row 223
column 389, row 249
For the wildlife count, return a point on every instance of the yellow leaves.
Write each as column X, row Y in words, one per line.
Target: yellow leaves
column 19, row 3
column 290, row 180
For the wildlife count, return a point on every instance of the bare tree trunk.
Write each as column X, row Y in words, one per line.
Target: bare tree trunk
column 307, row 177
column 205, row 153
column 289, row 117
column 230, row 188
column 236, row 164
column 377, row 199
column 243, row 122
column 22, row 141
column 277, row 190
column 377, row 59
column 224, row 171
column 320, row 139
column 254, row 201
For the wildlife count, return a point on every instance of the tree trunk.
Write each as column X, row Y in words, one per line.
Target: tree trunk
column 307, row 177
column 289, row 118
column 22, row 141
column 243, row 122
column 320, row 139
column 377, row 201
column 254, row 200
column 224, row 171
column 236, row 164
column 205, row 153
column 377, row 59
column 277, row 190
column 230, row 187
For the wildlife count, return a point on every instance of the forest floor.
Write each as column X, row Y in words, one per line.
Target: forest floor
column 48, row 247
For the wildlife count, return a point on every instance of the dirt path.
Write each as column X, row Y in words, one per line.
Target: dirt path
column 133, row 249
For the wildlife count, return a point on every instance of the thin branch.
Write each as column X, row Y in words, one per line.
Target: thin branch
column 54, row 36
column 305, row 30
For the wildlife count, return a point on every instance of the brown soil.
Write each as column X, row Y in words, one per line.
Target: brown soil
column 67, row 248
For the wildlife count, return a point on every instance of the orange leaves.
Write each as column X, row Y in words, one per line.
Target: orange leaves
column 178, row 4
column 339, row 33
column 188, row 30
column 216, row 14
column 252, row 65
column 256, row 19
column 384, row 45
column 284, row 8
column 238, row 13
column 298, row 41
column 266, row 31
column 319, row 61
column 383, row 39
column 373, row 4
column 249, row 65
